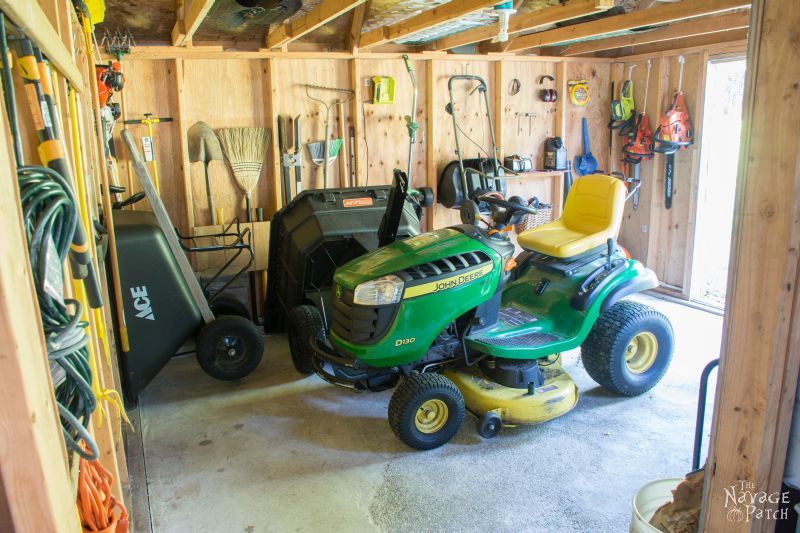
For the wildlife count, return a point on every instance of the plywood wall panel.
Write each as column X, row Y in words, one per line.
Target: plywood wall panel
column 150, row 89
column 596, row 111
column 385, row 126
column 291, row 100
column 526, row 136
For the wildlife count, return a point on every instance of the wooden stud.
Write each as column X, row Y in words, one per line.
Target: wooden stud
column 423, row 21
column 635, row 19
column 499, row 91
column 525, row 22
column 323, row 13
column 760, row 356
column 678, row 30
column 356, row 26
column 431, row 136
column 356, row 82
column 270, row 90
column 34, row 486
column 185, row 28
column 183, row 140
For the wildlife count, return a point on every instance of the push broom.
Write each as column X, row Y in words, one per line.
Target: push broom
column 245, row 149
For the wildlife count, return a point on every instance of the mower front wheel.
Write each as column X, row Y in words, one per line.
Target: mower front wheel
column 229, row 348
column 489, row 425
column 305, row 322
column 629, row 348
column 426, row 411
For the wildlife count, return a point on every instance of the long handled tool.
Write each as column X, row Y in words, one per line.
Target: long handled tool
column 323, row 153
column 148, row 142
column 410, row 123
column 204, row 146
column 675, row 132
column 288, row 146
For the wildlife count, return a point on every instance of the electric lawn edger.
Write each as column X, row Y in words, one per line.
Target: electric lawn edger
column 464, row 325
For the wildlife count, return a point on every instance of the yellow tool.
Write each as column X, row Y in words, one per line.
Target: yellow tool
column 148, row 146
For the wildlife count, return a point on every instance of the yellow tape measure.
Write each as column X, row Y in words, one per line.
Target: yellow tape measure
column 578, row 92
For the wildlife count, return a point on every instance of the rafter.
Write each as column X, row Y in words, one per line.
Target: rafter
column 635, row 19
column 528, row 21
column 194, row 14
column 359, row 14
column 423, row 21
column 678, row 30
column 326, row 11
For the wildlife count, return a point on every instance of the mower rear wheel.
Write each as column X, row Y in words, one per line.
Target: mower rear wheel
column 629, row 348
column 305, row 322
column 489, row 425
column 229, row 348
column 426, row 411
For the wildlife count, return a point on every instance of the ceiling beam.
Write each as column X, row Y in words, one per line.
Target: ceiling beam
column 635, row 19
column 354, row 37
column 528, row 21
column 194, row 14
column 326, row 11
column 423, row 21
column 678, row 30
column 731, row 40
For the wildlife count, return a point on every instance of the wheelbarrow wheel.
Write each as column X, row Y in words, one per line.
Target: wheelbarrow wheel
column 229, row 348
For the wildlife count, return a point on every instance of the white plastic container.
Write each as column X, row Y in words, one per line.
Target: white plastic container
column 647, row 500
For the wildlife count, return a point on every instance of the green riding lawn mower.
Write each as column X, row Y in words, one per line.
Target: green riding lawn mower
column 455, row 322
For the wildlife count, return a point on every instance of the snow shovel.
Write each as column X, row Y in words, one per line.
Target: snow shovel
column 585, row 164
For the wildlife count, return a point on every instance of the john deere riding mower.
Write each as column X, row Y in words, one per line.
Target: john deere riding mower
column 462, row 324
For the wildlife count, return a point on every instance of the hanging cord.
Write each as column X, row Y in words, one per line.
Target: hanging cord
column 98, row 508
column 366, row 143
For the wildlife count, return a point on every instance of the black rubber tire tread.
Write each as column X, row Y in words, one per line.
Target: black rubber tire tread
column 220, row 327
column 229, row 306
column 304, row 323
column 410, row 394
column 603, row 351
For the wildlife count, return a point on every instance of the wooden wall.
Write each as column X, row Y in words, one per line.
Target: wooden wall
column 238, row 91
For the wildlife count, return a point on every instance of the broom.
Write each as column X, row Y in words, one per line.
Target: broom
column 245, row 149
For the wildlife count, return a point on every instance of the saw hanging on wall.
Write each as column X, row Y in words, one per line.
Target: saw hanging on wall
column 639, row 146
column 675, row 132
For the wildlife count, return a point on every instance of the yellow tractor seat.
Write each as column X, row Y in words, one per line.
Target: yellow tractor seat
column 592, row 215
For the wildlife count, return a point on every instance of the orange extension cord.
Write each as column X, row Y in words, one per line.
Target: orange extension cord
column 96, row 505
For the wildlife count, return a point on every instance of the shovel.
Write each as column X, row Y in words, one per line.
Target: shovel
column 585, row 164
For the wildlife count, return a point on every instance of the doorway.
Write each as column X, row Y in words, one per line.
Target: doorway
column 719, row 149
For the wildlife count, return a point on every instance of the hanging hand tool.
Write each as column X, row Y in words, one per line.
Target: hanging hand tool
column 343, row 176
column 585, row 164
column 289, row 147
column 675, row 132
column 148, row 144
column 353, row 157
column 611, row 120
column 324, row 152
column 410, row 122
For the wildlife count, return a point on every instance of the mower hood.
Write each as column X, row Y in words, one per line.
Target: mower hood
column 405, row 254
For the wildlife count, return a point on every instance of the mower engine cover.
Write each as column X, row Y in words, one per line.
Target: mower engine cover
column 451, row 192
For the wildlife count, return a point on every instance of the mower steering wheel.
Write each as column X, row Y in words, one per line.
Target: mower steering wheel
column 511, row 206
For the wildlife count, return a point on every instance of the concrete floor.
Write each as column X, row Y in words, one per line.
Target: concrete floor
column 278, row 452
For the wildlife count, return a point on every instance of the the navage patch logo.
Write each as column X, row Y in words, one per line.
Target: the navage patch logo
column 141, row 301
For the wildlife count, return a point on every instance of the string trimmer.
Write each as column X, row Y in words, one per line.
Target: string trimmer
column 675, row 132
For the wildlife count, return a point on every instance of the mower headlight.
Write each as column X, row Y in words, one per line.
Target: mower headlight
column 381, row 291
